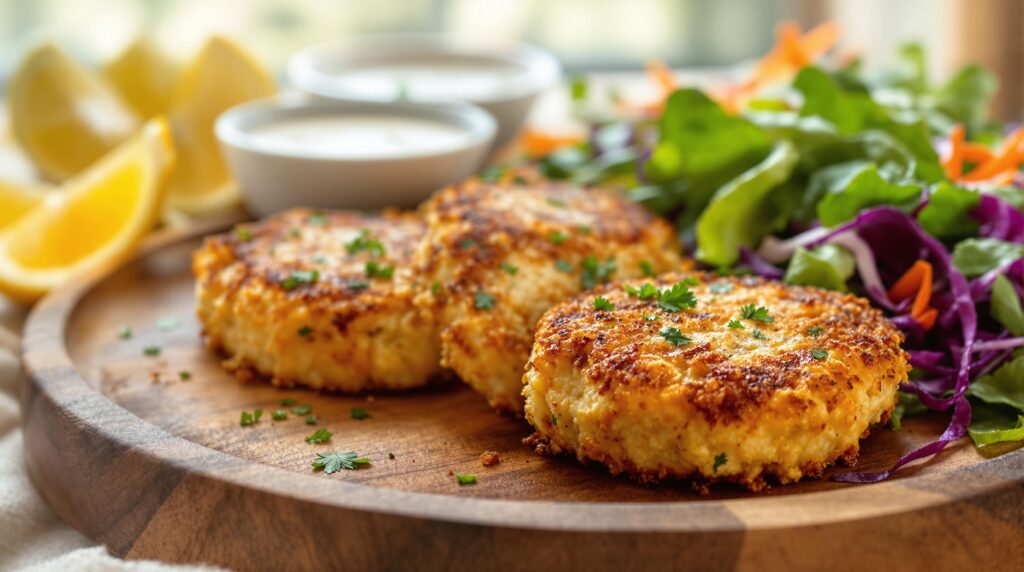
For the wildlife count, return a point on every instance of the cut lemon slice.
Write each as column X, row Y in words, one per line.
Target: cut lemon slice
column 144, row 77
column 96, row 218
column 63, row 115
column 16, row 200
column 222, row 76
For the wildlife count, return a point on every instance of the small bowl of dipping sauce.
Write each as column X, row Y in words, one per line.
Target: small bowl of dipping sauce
column 290, row 151
column 431, row 69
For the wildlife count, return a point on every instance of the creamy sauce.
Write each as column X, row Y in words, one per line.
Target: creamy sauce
column 357, row 136
column 430, row 80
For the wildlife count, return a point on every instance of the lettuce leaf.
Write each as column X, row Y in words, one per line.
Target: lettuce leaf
column 746, row 209
column 1004, row 386
column 1005, row 307
column 995, row 424
column 827, row 266
column 966, row 97
column 947, row 214
column 856, row 186
column 976, row 256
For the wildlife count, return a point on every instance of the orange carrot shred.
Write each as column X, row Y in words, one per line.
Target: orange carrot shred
column 537, row 144
column 909, row 283
column 924, row 292
column 789, row 46
column 1008, row 157
column 927, row 319
column 954, row 163
column 975, row 152
column 820, row 39
column 663, row 76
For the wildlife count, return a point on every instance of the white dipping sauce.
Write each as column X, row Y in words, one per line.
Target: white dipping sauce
column 357, row 136
column 430, row 79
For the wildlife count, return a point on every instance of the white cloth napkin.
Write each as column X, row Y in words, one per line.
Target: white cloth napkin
column 33, row 538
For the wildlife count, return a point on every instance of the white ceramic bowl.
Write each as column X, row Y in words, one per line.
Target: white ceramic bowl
column 275, row 175
column 427, row 68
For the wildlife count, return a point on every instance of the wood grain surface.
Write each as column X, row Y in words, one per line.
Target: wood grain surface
column 156, row 466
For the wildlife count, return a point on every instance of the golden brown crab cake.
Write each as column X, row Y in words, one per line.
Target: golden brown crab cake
column 756, row 379
column 499, row 254
column 321, row 299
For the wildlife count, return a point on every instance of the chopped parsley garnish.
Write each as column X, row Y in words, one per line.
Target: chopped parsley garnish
column 465, row 479
column 321, row 435
column 735, row 324
column 338, row 460
column 151, row 350
column 302, row 409
column 647, row 268
column 319, row 259
column 759, row 335
column 300, row 277
column 248, row 419
column 815, row 331
column 602, row 303
column 556, row 202
column 554, row 419
column 357, row 285
column 492, row 174
column 596, row 272
column 167, row 323
column 720, row 459
column 645, row 292
column 365, row 242
column 819, row 354
column 377, row 270
column 757, row 313
column 359, row 413
column 287, row 401
column 125, row 333
column 691, row 281
column 674, row 336
column 651, row 318
column 279, row 415
column 563, row 266
column 184, row 375
column 721, row 287
column 304, row 331
column 294, row 232
column 678, row 297
column 243, row 234
column 557, row 236
column 311, row 420
column 467, row 243
column 483, row 301
column 435, row 287
column 584, row 228
column 509, row 268
column 317, row 218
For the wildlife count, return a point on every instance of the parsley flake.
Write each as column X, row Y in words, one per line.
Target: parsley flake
column 557, row 236
column 359, row 413
column 720, row 459
column 357, row 285
column 815, row 331
column 287, row 401
column 596, row 272
column 248, row 419
column 125, row 333
column 819, row 354
column 365, row 242
column 467, row 243
column 321, row 435
column 563, row 266
column 735, row 324
column 556, row 202
column 151, row 351
column 647, row 268
column 759, row 335
column 377, row 270
column 678, row 297
column 674, row 336
column 651, row 318
column 435, row 288
column 584, row 228
column 302, row 409
column 317, row 218
column 279, row 415
column 757, row 313
column 602, row 303
column 184, row 375
column 483, row 301
column 465, row 479
column 300, row 277
column 311, row 420
column 645, row 292
column 305, row 331
column 509, row 268
column 721, row 287
column 338, row 460
column 243, row 234
column 691, row 281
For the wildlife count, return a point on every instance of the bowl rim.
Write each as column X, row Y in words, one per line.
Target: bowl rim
column 542, row 70
column 233, row 126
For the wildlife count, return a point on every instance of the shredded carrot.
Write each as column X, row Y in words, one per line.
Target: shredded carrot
column 954, row 163
column 927, row 319
column 975, row 153
column 924, row 292
column 917, row 282
column 790, row 48
column 663, row 76
column 820, row 40
column 1008, row 158
column 909, row 283
column 537, row 143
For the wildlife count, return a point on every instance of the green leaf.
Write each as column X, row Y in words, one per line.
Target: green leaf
column 359, row 413
column 741, row 213
column 827, row 266
column 465, row 479
column 967, row 96
column 756, row 313
column 976, row 256
column 995, row 424
column 1006, row 307
column 603, row 304
column 321, row 435
column 946, row 216
column 334, row 462
column 1004, row 386
column 678, row 297
column 674, row 336
column 596, row 272
column 908, row 405
column 862, row 188
column 483, row 301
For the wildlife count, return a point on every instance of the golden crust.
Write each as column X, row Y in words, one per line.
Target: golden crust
column 609, row 387
column 344, row 330
column 525, row 247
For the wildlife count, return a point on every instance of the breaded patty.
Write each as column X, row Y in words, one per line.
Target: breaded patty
column 321, row 299
column 499, row 254
column 756, row 379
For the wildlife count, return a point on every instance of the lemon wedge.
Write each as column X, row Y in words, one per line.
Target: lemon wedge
column 222, row 76
column 144, row 77
column 96, row 218
column 63, row 115
column 16, row 200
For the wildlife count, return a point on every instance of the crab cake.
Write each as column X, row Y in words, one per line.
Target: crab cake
column 499, row 254
column 321, row 299
column 714, row 379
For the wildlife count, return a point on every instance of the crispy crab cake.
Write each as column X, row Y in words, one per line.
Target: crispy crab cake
column 499, row 254
column 320, row 299
column 756, row 379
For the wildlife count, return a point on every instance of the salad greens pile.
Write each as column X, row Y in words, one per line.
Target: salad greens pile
column 883, row 185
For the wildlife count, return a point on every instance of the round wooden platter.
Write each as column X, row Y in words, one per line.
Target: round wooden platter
column 154, row 466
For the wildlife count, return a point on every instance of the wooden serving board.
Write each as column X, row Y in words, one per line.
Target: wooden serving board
column 158, row 467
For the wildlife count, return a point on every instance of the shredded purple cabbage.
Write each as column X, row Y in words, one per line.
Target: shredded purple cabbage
column 758, row 265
